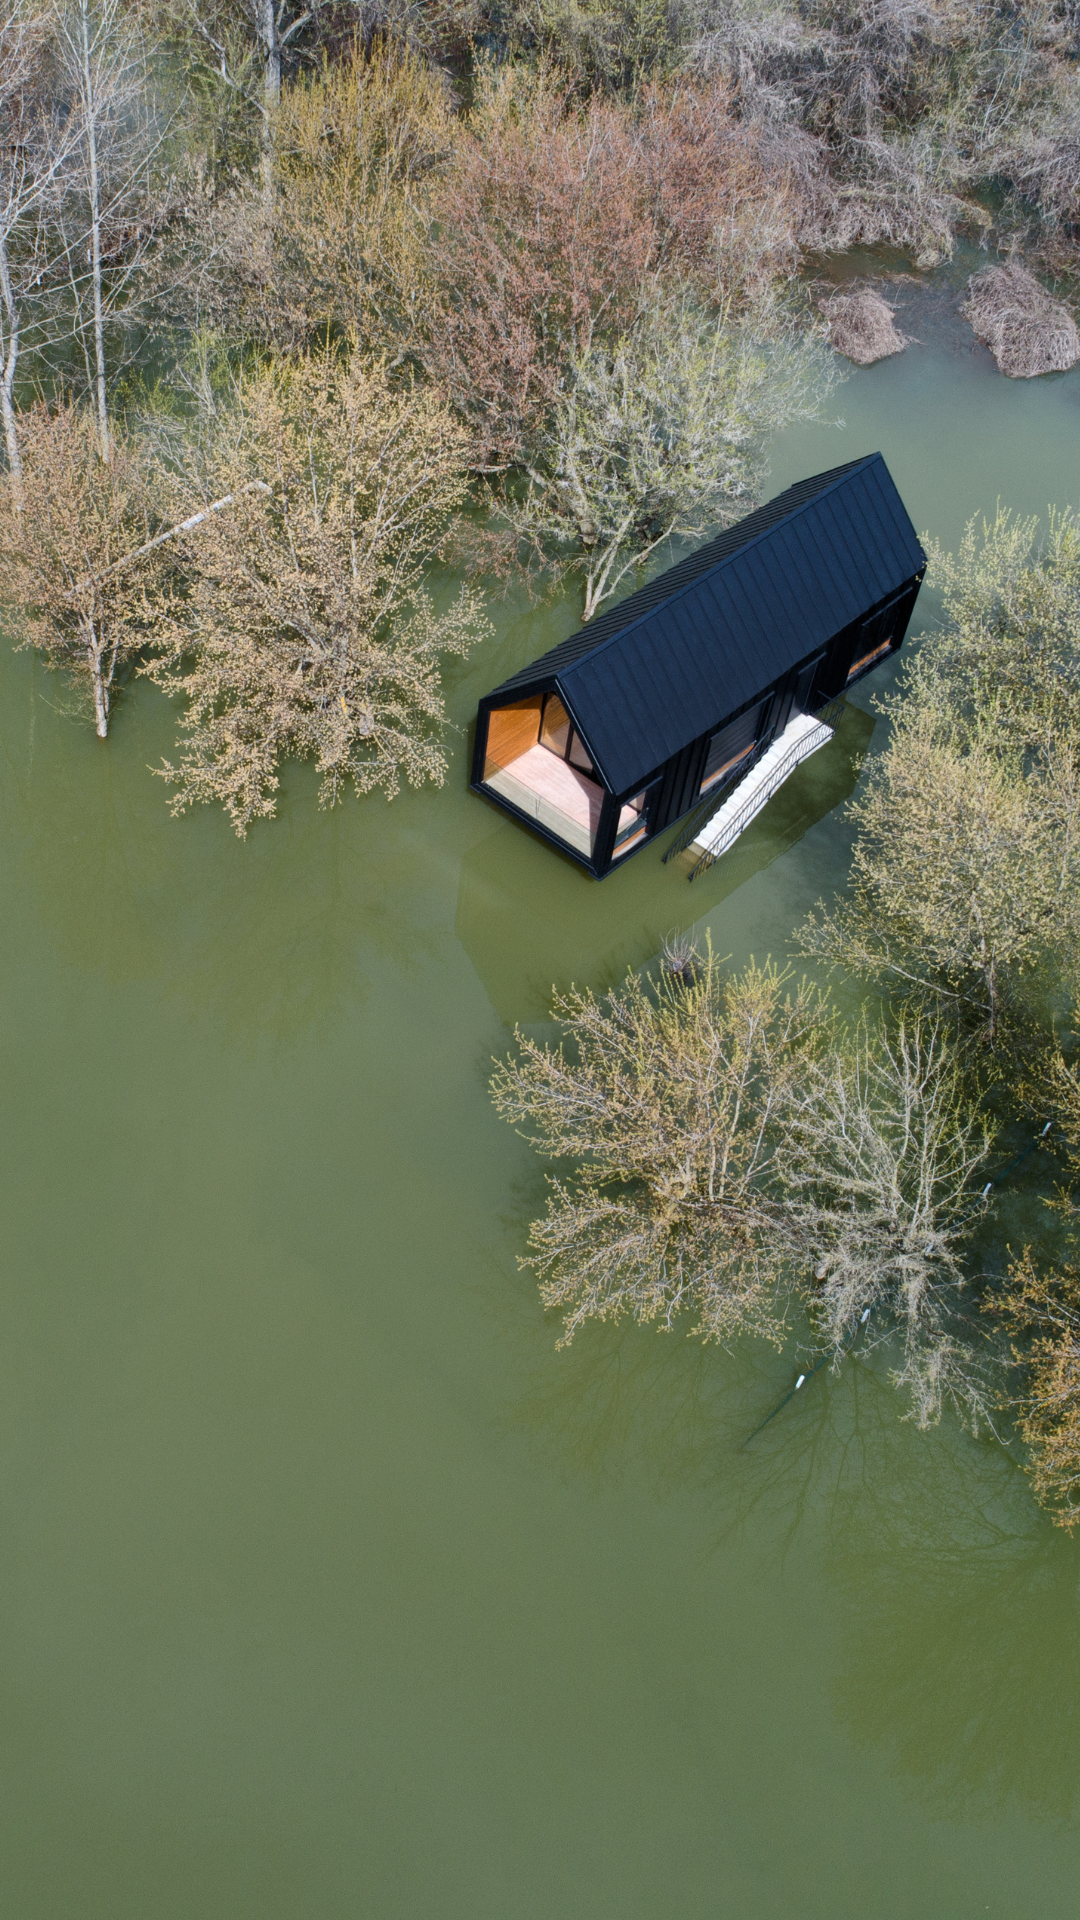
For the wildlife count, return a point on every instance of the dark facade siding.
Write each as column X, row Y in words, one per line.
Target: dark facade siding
column 705, row 638
column 768, row 620
column 679, row 785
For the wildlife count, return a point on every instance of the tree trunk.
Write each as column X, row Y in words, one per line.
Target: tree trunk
column 90, row 109
column 101, row 704
column 266, row 29
column 7, row 378
column 94, row 652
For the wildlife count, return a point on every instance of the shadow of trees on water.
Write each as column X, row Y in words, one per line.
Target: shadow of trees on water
column 954, row 1605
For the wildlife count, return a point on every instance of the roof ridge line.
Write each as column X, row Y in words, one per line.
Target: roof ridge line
column 620, row 632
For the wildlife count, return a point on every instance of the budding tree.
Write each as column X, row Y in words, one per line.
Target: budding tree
column 73, row 580
column 554, row 220
column 669, row 1103
column 658, row 436
column 1041, row 1310
column 734, row 1149
column 245, row 44
column 306, row 630
column 967, row 862
column 357, row 146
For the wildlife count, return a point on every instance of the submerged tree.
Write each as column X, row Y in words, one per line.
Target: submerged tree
column 306, row 629
column 671, row 1106
column 1039, row 1305
column 660, row 436
column 74, row 582
column 735, row 1149
column 1041, row 1310
column 967, row 862
column 880, row 1167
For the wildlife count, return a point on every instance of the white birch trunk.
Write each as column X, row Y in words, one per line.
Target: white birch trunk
column 94, row 650
column 266, row 28
column 7, row 378
column 90, row 109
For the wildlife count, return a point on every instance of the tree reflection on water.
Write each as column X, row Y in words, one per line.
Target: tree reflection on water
column 952, row 1602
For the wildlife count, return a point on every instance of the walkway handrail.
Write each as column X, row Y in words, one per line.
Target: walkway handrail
column 755, row 801
column 704, row 812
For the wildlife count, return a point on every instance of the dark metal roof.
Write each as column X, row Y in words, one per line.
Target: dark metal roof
column 701, row 640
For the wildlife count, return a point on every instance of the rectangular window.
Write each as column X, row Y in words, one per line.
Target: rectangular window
column 632, row 826
column 731, row 745
column 877, row 636
column 866, row 659
column 713, row 774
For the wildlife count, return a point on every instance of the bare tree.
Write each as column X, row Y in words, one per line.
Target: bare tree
column 305, row 629
column 18, row 50
column 36, row 147
column 66, row 575
column 115, row 201
column 883, row 1149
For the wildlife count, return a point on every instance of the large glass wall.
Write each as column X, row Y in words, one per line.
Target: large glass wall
column 633, row 824
column 536, row 760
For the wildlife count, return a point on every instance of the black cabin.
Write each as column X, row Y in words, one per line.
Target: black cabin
column 674, row 694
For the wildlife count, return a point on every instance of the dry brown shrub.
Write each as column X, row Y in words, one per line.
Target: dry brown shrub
column 555, row 221
column 1026, row 329
column 861, row 326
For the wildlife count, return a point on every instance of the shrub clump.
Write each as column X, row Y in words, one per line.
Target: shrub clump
column 1026, row 329
column 862, row 326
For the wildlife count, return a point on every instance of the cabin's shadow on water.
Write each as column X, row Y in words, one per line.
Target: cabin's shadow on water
column 530, row 920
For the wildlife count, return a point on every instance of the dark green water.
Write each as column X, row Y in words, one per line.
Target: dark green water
column 328, row 1588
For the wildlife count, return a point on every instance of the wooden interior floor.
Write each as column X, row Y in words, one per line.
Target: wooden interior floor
column 560, row 784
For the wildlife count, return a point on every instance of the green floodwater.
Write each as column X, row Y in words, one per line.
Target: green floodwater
column 328, row 1587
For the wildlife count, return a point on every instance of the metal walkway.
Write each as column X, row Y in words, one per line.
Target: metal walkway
column 800, row 738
